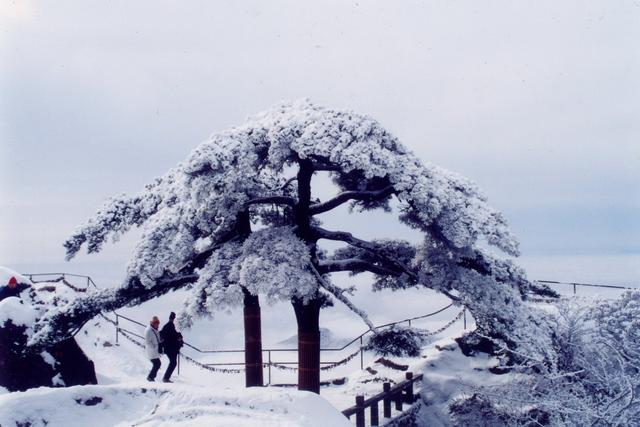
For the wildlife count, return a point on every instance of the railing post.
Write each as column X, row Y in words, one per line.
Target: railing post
column 269, row 367
column 409, row 394
column 409, row 322
column 117, row 327
column 178, row 363
column 464, row 317
column 574, row 288
column 361, row 355
column 359, row 411
column 398, row 400
column 386, row 401
column 374, row 414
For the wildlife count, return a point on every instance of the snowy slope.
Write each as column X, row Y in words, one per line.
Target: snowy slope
column 143, row 404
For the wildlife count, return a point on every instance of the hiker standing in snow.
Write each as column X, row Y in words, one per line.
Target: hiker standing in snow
column 12, row 289
column 152, row 345
column 171, row 343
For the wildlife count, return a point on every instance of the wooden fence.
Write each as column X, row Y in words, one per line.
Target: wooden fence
column 399, row 394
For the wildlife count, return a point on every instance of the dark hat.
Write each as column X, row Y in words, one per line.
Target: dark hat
column 172, row 316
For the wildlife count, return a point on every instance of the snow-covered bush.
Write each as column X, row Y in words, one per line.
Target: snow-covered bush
column 397, row 341
column 594, row 379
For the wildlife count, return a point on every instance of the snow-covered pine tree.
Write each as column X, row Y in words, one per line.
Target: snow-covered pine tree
column 263, row 171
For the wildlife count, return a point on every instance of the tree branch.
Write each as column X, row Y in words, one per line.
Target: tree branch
column 326, row 167
column 322, row 163
column 354, row 264
column 278, row 200
column 287, row 182
column 339, row 294
column 350, row 195
column 343, row 236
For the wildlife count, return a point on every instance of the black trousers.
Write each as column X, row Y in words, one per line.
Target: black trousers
column 154, row 369
column 173, row 357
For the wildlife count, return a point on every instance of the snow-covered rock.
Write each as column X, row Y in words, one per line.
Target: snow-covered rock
column 16, row 311
column 63, row 363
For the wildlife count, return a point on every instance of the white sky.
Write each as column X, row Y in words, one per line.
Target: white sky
column 538, row 102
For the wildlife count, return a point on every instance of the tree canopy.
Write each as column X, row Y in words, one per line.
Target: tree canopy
column 196, row 227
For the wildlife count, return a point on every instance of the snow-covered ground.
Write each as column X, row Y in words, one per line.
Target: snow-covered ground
column 137, row 403
column 203, row 397
column 200, row 396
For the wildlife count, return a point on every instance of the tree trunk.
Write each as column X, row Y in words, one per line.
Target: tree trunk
column 308, row 317
column 252, row 341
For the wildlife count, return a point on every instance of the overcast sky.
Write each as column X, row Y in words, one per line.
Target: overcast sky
column 538, row 102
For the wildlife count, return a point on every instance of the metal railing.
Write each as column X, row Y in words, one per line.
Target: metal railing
column 62, row 277
column 285, row 365
column 576, row 285
column 268, row 352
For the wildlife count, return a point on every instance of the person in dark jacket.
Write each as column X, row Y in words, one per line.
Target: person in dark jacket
column 171, row 343
column 12, row 289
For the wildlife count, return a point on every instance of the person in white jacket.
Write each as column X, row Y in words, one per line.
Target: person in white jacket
column 152, row 346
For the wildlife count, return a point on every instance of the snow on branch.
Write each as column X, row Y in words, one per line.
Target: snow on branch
column 119, row 214
column 281, row 200
column 346, row 196
column 353, row 265
column 376, row 249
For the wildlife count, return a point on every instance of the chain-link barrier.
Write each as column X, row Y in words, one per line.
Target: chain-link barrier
column 443, row 328
column 63, row 280
column 328, row 367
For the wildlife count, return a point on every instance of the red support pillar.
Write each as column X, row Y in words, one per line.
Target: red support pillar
column 308, row 317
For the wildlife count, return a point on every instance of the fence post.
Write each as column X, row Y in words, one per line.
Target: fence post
column 386, row 401
column 117, row 327
column 360, row 411
column 361, row 355
column 374, row 414
column 178, row 363
column 574, row 288
column 269, row 367
column 464, row 317
column 409, row 395
column 398, row 400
